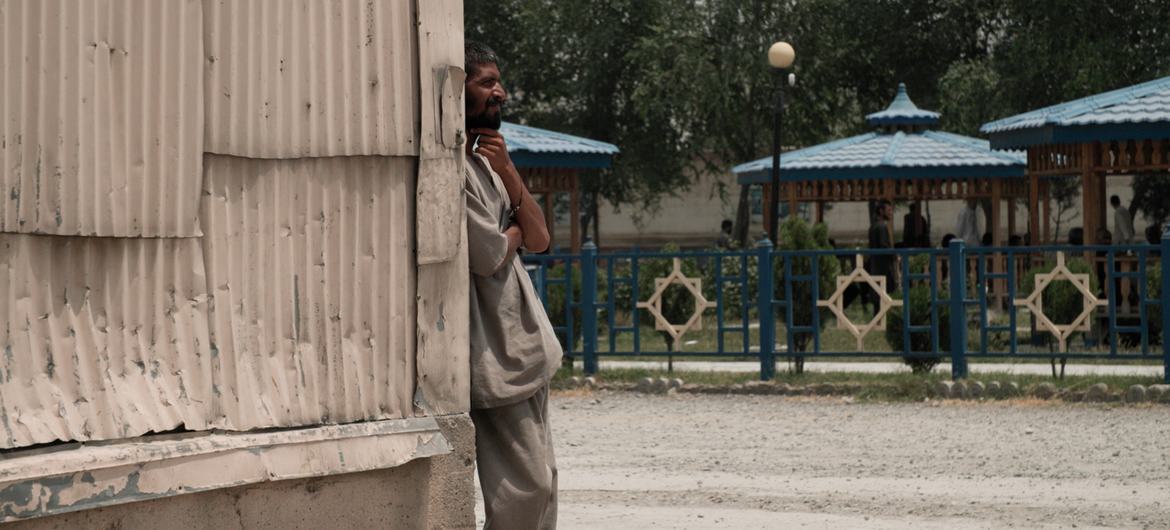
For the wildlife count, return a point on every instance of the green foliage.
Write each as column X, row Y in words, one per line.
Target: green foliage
column 556, row 302
column 1151, row 196
column 1064, row 191
column 683, row 85
column 1063, row 302
column 569, row 66
column 919, row 315
column 796, row 234
column 735, row 294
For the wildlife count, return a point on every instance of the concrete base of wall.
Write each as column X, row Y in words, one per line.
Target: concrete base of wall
column 436, row 492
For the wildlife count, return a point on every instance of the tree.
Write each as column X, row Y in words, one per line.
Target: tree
column 1151, row 196
column 569, row 68
column 1064, row 191
column 682, row 86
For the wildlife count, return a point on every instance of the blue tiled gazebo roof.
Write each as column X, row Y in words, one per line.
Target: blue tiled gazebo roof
column 533, row 147
column 1131, row 113
column 911, row 152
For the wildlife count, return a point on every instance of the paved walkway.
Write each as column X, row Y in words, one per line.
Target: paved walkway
column 1042, row 368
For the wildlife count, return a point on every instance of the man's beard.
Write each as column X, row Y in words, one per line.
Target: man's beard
column 486, row 119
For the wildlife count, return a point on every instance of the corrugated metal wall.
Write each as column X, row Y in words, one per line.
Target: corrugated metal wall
column 313, row 287
column 101, row 117
column 306, row 313
column 102, row 338
column 299, row 78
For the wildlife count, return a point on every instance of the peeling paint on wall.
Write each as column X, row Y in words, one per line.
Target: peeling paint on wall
column 37, row 484
column 102, row 338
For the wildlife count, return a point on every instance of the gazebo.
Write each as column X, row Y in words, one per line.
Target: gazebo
column 904, row 158
column 550, row 163
column 1121, row 132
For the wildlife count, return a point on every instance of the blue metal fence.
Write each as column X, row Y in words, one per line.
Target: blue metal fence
column 603, row 303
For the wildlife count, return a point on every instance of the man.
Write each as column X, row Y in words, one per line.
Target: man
column 915, row 228
column 514, row 351
column 1122, row 221
column 967, row 227
column 725, row 239
column 879, row 238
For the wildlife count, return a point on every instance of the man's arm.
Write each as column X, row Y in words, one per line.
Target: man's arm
column 529, row 216
column 489, row 249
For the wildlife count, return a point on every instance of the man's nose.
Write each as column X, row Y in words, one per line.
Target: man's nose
column 500, row 94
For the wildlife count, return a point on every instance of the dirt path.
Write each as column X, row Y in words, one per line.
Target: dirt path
column 699, row 461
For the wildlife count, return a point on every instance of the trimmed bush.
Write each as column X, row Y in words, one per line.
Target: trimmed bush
column 796, row 234
column 556, row 303
column 919, row 316
column 919, row 341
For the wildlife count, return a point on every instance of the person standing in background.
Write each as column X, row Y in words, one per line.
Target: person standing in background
column 967, row 227
column 915, row 228
column 879, row 238
column 1122, row 222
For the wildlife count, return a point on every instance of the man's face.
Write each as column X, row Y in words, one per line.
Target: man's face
column 484, row 95
column 886, row 211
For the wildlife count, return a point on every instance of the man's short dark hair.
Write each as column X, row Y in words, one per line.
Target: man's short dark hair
column 476, row 54
column 1115, row 200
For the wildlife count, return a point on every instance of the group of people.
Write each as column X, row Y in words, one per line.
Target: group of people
column 916, row 234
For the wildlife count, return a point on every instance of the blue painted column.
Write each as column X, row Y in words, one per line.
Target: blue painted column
column 767, row 318
column 1165, row 305
column 589, row 306
column 958, row 311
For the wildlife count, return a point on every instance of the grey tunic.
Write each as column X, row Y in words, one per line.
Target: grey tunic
column 514, row 351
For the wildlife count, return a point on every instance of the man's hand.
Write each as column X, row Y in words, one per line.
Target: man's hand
column 529, row 217
column 515, row 238
column 491, row 145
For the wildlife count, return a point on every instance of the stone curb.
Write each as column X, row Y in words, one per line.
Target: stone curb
column 971, row 390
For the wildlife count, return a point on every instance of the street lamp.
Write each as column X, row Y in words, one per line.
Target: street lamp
column 780, row 56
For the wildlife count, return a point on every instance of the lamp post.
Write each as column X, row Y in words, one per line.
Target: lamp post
column 780, row 56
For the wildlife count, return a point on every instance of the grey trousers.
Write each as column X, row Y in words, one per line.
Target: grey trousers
column 517, row 470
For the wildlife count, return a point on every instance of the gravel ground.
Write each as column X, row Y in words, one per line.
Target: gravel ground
column 639, row 461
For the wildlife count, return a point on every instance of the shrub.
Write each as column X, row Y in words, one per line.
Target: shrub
column 796, row 234
column 919, row 341
column 555, row 305
column 735, row 293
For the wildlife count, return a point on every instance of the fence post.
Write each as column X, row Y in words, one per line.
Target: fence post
column 1165, row 305
column 767, row 320
column 589, row 306
column 958, row 312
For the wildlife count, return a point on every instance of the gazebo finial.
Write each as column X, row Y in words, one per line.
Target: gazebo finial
column 902, row 112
